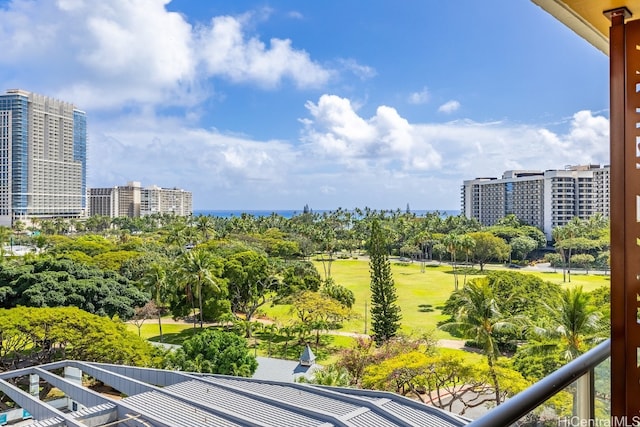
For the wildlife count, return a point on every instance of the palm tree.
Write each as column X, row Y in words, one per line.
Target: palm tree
column 176, row 234
column 205, row 226
column 452, row 243
column 478, row 318
column 573, row 324
column 466, row 244
column 331, row 375
column 564, row 240
column 155, row 280
column 196, row 270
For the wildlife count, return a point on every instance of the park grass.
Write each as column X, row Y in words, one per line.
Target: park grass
column 420, row 296
column 176, row 333
column 588, row 282
column 172, row 333
column 421, row 292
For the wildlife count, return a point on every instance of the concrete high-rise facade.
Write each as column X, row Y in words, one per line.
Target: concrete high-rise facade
column 134, row 201
column 114, row 202
column 544, row 199
column 43, row 146
column 166, row 200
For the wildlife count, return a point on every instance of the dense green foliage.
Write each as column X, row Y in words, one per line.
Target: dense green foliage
column 236, row 269
column 41, row 335
column 515, row 294
column 215, row 352
column 479, row 318
column 47, row 282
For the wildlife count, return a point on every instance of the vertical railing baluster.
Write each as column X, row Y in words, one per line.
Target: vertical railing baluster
column 585, row 397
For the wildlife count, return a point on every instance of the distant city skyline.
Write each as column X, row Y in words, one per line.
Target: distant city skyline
column 255, row 105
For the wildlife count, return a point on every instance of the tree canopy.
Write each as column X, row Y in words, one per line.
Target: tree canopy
column 214, row 352
column 41, row 335
column 47, row 282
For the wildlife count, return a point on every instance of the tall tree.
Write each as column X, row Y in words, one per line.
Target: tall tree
column 198, row 270
column 452, row 243
column 573, row 325
column 205, row 226
column 156, row 282
column 385, row 312
column 479, row 319
column 489, row 247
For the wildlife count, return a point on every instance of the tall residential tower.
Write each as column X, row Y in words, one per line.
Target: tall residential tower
column 43, row 146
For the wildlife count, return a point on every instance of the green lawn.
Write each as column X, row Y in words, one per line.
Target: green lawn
column 588, row 282
column 173, row 333
column 420, row 294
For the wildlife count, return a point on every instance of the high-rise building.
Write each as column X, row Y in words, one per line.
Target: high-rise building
column 543, row 199
column 166, row 200
column 119, row 201
column 43, row 146
column 134, row 201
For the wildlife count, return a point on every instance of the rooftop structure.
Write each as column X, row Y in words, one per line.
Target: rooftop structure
column 168, row 398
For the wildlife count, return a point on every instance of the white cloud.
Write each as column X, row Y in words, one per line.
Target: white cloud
column 225, row 51
column 338, row 133
column 294, row 14
column 132, row 56
column 449, row 107
column 363, row 72
column 106, row 54
column 346, row 160
column 471, row 149
column 421, row 97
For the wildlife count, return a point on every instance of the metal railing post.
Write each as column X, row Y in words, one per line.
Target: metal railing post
column 527, row 400
column 585, row 398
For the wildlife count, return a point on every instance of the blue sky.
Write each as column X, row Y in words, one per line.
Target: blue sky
column 278, row 104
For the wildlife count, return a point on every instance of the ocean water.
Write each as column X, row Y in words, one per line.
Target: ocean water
column 288, row 213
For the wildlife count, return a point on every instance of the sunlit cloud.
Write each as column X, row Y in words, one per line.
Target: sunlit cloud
column 102, row 55
column 343, row 158
column 421, row 97
column 363, row 72
column 449, row 107
column 227, row 52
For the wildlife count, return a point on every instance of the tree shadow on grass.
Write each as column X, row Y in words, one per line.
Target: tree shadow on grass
column 178, row 338
column 469, row 271
column 425, row 308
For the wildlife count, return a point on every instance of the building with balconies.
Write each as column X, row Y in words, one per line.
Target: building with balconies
column 133, row 201
column 543, row 199
column 43, row 145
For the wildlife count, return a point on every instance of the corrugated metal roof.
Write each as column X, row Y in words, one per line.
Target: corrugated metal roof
column 368, row 419
column 216, row 397
column 201, row 400
column 434, row 418
column 49, row 422
column 175, row 412
column 294, row 395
